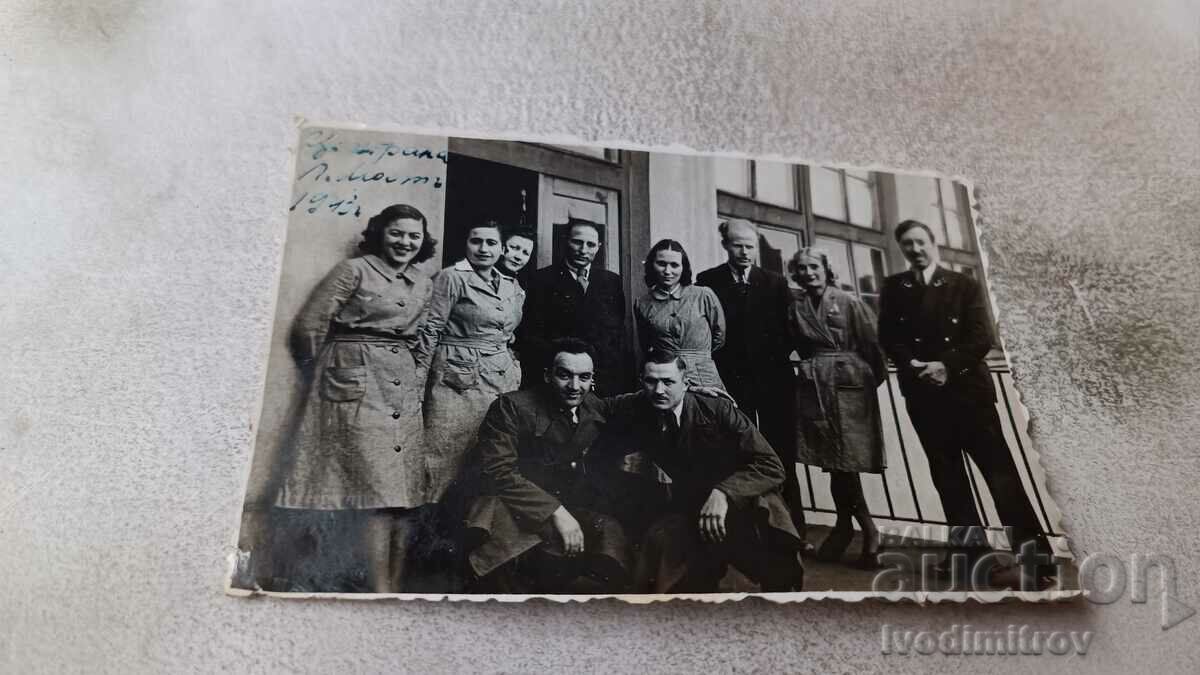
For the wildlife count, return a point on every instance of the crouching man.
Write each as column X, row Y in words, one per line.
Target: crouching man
column 725, row 506
column 542, row 516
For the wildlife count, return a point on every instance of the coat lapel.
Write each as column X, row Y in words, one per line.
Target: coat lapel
column 812, row 316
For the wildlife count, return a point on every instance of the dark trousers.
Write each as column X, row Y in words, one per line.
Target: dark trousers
column 675, row 559
column 545, row 569
column 949, row 426
column 768, row 405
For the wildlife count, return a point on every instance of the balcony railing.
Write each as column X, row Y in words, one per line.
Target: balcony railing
column 904, row 493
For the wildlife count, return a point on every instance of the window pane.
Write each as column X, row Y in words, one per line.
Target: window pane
column 955, row 223
column 775, row 183
column 917, row 199
column 838, row 260
column 827, row 193
column 733, row 175
column 776, row 248
column 861, row 196
column 868, row 266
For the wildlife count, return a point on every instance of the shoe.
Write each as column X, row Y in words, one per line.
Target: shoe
column 835, row 545
column 869, row 559
column 806, row 549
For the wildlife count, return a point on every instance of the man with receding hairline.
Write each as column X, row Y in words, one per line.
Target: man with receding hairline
column 754, row 363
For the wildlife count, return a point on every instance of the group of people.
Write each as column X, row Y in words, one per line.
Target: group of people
column 513, row 417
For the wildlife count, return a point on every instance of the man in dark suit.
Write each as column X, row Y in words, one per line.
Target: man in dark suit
column 724, row 507
column 934, row 325
column 542, row 517
column 572, row 299
column 754, row 363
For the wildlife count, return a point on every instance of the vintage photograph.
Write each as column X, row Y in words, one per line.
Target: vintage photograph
column 509, row 368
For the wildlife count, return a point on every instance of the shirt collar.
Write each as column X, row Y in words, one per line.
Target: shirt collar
column 575, row 273
column 928, row 272
column 659, row 294
column 678, row 410
column 387, row 271
column 738, row 275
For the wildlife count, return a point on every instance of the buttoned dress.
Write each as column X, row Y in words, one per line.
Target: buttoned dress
column 838, row 426
column 356, row 440
column 466, row 348
column 688, row 321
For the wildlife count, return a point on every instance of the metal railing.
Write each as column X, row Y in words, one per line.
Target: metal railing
column 905, row 491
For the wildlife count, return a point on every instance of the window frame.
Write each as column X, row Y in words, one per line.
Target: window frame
column 876, row 198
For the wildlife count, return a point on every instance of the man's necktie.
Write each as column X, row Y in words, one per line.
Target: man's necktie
column 670, row 428
column 582, row 276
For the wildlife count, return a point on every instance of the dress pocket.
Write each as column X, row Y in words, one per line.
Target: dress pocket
column 344, row 384
column 460, row 375
column 848, row 374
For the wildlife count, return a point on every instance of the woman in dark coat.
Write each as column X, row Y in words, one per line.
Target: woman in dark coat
column 838, row 426
column 357, row 444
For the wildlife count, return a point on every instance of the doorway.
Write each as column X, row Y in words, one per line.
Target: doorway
column 477, row 191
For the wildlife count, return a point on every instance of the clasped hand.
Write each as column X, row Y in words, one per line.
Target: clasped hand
column 933, row 372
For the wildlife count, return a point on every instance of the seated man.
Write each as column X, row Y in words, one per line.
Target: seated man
column 542, row 516
column 725, row 506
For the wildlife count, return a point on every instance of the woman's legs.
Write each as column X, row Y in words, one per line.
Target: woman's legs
column 388, row 536
column 846, row 487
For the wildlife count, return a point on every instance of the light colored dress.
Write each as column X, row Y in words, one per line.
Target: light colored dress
column 838, row 426
column 356, row 442
column 465, row 345
column 689, row 322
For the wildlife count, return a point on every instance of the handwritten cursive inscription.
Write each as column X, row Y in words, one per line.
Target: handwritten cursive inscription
column 324, row 182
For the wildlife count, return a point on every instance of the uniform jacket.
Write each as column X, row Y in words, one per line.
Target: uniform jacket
column 947, row 321
column 556, row 306
column 533, row 460
column 717, row 447
column 756, row 348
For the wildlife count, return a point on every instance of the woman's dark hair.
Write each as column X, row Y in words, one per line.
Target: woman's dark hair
column 793, row 264
column 507, row 233
column 373, row 236
column 651, row 275
column 910, row 224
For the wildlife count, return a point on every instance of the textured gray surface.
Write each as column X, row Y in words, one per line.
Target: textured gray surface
column 144, row 190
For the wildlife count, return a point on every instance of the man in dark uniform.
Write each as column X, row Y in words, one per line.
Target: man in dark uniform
column 724, row 508
column 571, row 298
column 754, row 363
column 542, row 517
column 934, row 325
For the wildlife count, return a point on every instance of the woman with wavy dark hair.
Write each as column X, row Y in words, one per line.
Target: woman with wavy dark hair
column 838, row 427
column 357, row 444
column 677, row 317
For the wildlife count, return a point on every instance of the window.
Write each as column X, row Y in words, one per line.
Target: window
column 845, row 195
column 937, row 203
column 859, row 268
column 776, row 246
column 766, row 182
